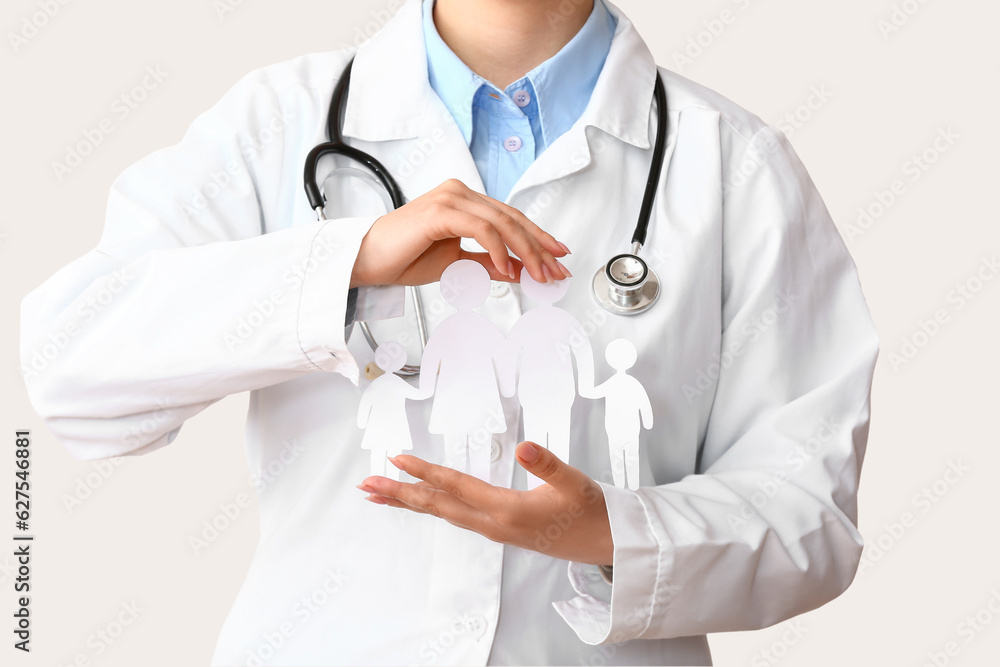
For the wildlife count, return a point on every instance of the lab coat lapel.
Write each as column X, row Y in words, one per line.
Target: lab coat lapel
column 624, row 88
column 392, row 103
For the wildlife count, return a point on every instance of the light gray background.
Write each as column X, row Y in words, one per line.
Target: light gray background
column 891, row 95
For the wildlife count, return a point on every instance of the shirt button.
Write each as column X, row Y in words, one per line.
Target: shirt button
column 499, row 289
column 512, row 143
column 495, row 451
column 522, row 98
column 475, row 625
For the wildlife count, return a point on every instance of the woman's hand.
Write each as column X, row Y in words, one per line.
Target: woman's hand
column 414, row 244
column 565, row 518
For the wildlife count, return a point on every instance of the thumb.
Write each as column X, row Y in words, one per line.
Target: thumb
column 545, row 465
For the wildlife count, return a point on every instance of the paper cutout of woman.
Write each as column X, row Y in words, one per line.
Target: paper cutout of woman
column 458, row 368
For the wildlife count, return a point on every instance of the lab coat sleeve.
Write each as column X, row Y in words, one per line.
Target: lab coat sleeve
column 200, row 286
column 768, row 530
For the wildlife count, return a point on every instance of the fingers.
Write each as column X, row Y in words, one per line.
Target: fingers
column 486, row 261
column 423, row 498
column 557, row 248
column 462, row 212
column 547, row 467
column 472, row 490
column 519, row 234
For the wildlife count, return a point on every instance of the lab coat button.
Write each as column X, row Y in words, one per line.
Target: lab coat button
column 498, row 289
column 495, row 451
column 512, row 143
column 475, row 625
column 522, row 98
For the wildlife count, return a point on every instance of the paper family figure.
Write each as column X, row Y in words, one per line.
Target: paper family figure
column 458, row 368
column 625, row 401
column 545, row 340
column 382, row 412
column 467, row 362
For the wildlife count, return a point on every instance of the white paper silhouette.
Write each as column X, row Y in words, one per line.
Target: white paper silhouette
column 458, row 368
column 467, row 358
column 625, row 401
column 382, row 412
column 546, row 339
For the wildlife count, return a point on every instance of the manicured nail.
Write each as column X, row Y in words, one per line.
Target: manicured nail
column 530, row 453
column 548, row 274
column 510, row 269
column 376, row 500
column 366, row 488
column 394, row 462
column 563, row 246
column 564, row 269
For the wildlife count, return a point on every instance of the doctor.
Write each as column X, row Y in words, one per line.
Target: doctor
column 499, row 119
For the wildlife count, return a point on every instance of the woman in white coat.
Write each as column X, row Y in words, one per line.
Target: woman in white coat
column 213, row 278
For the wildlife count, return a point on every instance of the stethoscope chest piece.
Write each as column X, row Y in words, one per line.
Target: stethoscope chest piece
column 626, row 285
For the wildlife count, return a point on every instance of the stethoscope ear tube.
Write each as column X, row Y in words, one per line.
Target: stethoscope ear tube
column 656, row 166
column 336, row 146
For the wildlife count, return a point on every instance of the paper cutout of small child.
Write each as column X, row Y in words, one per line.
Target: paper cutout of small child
column 625, row 401
column 382, row 412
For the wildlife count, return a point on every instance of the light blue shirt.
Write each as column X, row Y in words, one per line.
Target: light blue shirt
column 507, row 129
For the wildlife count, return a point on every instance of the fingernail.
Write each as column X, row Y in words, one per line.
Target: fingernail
column 510, row 270
column 530, row 453
column 376, row 500
column 394, row 462
column 365, row 488
column 548, row 274
column 564, row 269
column 563, row 246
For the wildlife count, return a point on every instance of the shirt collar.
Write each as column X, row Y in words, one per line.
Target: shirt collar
column 562, row 85
column 390, row 93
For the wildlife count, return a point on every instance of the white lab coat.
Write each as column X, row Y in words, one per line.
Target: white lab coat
column 757, row 360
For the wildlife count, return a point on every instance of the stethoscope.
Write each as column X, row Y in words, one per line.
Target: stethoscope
column 624, row 286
